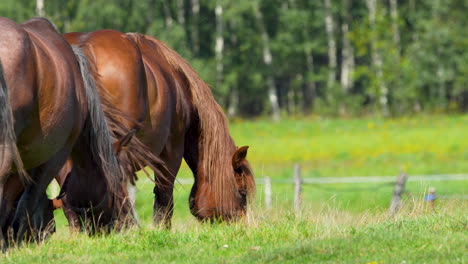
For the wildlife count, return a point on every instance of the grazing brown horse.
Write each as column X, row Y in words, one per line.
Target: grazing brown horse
column 49, row 110
column 180, row 119
column 124, row 118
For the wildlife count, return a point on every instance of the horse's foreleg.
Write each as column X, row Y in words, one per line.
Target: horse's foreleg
column 27, row 208
column 5, row 165
column 74, row 222
column 163, row 206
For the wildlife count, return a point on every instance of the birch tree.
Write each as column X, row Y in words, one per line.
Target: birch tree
column 395, row 29
column 40, row 8
column 268, row 61
column 194, row 30
column 309, row 89
column 167, row 14
column 219, row 46
column 376, row 58
column 180, row 12
column 330, row 28
column 347, row 64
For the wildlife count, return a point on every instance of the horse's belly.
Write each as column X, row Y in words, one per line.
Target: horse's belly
column 37, row 145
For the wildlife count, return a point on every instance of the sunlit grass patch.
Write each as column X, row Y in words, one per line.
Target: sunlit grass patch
column 357, row 147
column 280, row 236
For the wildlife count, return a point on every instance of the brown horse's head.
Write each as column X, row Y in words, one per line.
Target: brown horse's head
column 224, row 197
column 85, row 192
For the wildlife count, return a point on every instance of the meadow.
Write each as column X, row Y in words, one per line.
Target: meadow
column 339, row 223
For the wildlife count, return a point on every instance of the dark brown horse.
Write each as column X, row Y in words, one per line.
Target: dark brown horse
column 49, row 110
column 180, row 119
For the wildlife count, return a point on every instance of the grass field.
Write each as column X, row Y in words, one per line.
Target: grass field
column 339, row 223
column 357, row 147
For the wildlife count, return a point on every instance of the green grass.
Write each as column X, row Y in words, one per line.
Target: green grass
column 357, row 147
column 339, row 223
column 417, row 235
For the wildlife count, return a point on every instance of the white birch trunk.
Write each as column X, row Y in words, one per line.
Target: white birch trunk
column 234, row 91
column 268, row 60
column 347, row 64
column 195, row 35
column 441, row 92
column 330, row 29
column 233, row 102
column 40, row 8
column 308, row 93
column 167, row 15
column 219, row 46
column 377, row 60
column 395, row 29
column 180, row 12
column 417, row 107
column 311, row 88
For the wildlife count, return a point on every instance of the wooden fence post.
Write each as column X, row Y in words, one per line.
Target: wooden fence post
column 268, row 202
column 297, row 187
column 399, row 189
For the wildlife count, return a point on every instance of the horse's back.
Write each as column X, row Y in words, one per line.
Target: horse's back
column 121, row 72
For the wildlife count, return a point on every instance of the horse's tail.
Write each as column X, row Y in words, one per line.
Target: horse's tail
column 137, row 156
column 7, row 131
column 99, row 136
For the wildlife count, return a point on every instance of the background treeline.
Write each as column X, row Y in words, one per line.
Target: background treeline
column 293, row 57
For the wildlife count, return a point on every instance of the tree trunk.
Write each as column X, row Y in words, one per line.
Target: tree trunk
column 219, row 46
column 291, row 97
column 395, row 30
column 347, row 54
column 233, row 102
column 195, row 22
column 377, row 60
column 268, row 60
column 330, row 29
column 347, row 64
column 180, row 12
column 233, row 96
column 441, row 89
column 167, row 15
column 310, row 88
column 40, row 8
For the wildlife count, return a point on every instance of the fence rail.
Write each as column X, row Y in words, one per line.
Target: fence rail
column 395, row 204
column 358, row 179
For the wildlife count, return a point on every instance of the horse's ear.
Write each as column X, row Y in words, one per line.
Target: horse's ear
column 120, row 144
column 239, row 156
column 56, row 203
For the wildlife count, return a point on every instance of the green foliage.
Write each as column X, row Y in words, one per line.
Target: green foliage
column 425, row 71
